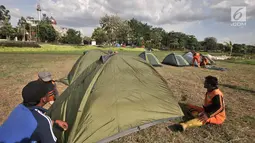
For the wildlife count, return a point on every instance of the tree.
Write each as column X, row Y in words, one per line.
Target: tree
column 7, row 31
column 4, row 15
column 135, row 31
column 46, row 32
column 86, row 40
column 139, row 32
column 182, row 39
column 156, row 37
column 99, row 35
column 122, row 32
column 192, row 43
column 244, row 49
column 46, row 19
column 72, row 37
column 164, row 41
column 173, row 40
column 230, row 46
column 223, row 48
column 22, row 27
column 251, row 49
column 240, row 48
column 210, row 43
column 111, row 24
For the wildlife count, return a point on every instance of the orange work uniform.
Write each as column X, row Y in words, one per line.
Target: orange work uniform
column 204, row 62
column 213, row 106
column 196, row 57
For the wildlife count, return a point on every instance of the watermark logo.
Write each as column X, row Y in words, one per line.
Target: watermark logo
column 238, row 16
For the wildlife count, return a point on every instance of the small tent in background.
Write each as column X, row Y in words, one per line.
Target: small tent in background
column 113, row 99
column 189, row 57
column 175, row 60
column 81, row 64
column 150, row 58
column 211, row 61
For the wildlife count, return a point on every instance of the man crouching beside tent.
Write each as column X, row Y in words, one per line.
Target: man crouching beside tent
column 213, row 110
column 196, row 57
column 27, row 122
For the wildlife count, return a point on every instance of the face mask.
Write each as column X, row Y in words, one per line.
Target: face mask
column 51, row 102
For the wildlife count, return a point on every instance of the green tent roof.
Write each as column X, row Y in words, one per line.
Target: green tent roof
column 175, row 60
column 150, row 58
column 112, row 99
column 82, row 63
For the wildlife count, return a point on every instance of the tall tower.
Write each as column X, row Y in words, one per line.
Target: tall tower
column 39, row 10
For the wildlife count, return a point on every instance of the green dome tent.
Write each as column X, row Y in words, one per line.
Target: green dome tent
column 112, row 99
column 150, row 58
column 82, row 63
column 175, row 60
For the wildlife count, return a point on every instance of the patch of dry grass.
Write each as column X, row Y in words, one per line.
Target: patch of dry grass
column 16, row 70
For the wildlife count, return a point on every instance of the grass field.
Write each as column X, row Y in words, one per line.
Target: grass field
column 237, row 84
column 246, row 61
column 62, row 49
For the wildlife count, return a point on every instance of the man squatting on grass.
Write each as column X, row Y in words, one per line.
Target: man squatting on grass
column 213, row 110
column 27, row 123
column 196, row 57
column 46, row 77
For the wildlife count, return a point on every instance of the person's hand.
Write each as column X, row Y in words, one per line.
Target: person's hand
column 203, row 117
column 62, row 124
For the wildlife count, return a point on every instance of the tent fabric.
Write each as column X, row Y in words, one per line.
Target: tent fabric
column 211, row 62
column 188, row 57
column 82, row 63
column 112, row 99
column 150, row 58
column 175, row 60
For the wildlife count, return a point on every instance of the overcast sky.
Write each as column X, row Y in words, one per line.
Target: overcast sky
column 201, row 18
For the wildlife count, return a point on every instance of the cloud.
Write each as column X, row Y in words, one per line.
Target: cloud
column 172, row 15
column 15, row 12
column 88, row 12
column 241, row 38
column 79, row 13
column 221, row 9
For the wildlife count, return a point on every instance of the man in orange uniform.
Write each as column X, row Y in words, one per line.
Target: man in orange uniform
column 204, row 62
column 196, row 57
column 213, row 110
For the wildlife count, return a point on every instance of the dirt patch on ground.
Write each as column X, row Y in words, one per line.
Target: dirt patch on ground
column 18, row 69
column 186, row 83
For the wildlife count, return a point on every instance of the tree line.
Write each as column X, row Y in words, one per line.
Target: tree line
column 132, row 32
column 41, row 31
column 114, row 30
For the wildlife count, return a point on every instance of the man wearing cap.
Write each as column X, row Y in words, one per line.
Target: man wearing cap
column 46, row 77
column 27, row 122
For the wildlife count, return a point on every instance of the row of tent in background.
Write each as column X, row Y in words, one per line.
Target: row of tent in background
column 172, row 59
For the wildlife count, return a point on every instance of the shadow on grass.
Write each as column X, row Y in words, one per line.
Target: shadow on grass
column 187, row 116
column 237, row 88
